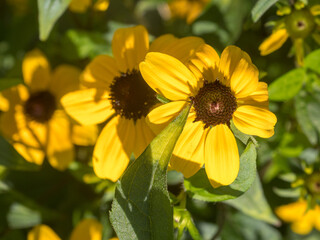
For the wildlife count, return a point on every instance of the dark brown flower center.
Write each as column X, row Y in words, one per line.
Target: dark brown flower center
column 40, row 106
column 131, row 96
column 214, row 104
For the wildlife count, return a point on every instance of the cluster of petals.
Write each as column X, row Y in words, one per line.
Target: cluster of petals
column 120, row 137
column 87, row 229
column 280, row 34
column 53, row 138
column 80, row 6
column 215, row 147
column 302, row 219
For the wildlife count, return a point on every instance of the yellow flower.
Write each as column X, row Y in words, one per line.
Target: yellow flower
column 187, row 9
column 116, row 88
column 35, row 122
column 220, row 90
column 302, row 219
column 80, row 6
column 87, row 229
column 298, row 24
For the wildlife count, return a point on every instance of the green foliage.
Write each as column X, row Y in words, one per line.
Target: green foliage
column 20, row 216
column 260, row 8
column 302, row 100
column 141, row 207
column 199, row 187
column 241, row 227
column 312, row 61
column 254, row 204
column 11, row 159
column 49, row 13
column 287, row 86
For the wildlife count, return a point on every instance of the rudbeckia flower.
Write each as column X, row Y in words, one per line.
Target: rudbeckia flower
column 298, row 23
column 35, row 123
column 187, row 9
column 302, row 219
column 219, row 90
column 87, row 229
column 116, row 89
column 80, row 6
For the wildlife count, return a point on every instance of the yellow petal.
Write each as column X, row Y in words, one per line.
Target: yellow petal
column 36, row 71
column 183, row 49
column 230, row 58
column 101, row 5
column 60, row 148
column 305, row 224
column 84, row 135
column 8, row 124
column 129, row 47
column 144, row 136
column 100, row 73
column 42, row 232
column 162, row 43
column 168, row 76
column 254, row 121
column 204, row 63
column 87, row 229
column 258, row 98
column 113, row 148
column 88, row 106
column 4, row 103
column 188, row 154
column 79, row 6
column 30, row 154
column 221, row 156
column 244, row 79
column 161, row 116
column 65, row 79
column 16, row 95
column 315, row 10
column 292, row 212
column 317, row 217
column 273, row 42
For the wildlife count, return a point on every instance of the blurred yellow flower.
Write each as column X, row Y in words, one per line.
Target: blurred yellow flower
column 116, row 89
column 219, row 90
column 298, row 23
column 302, row 219
column 187, row 9
column 87, row 229
column 34, row 122
column 80, row 6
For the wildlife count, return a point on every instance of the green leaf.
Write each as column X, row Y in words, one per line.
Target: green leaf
column 141, row 208
column 254, row 204
column 199, row 187
column 183, row 221
column 260, row 8
column 312, row 61
column 238, row 134
column 301, row 101
column 9, row 82
column 288, row 85
column 85, row 44
column 49, row 13
column 10, row 158
column 242, row 227
column 313, row 112
column 20, row 216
